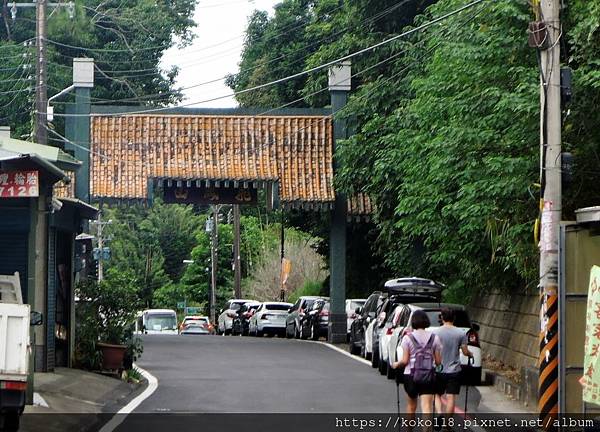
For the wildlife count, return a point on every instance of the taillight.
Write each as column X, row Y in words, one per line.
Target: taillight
column 389, row 331
column 13, row 385
column 352, row 316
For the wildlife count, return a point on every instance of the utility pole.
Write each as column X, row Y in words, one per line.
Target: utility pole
column 41, row 92
column 101, row 252
column 549, row 33
column 237, row 269
column 213, row 262
column 41, row 75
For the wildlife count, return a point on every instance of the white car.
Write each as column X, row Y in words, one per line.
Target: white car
column 228, row 313
column 384, row 339
column 269, row 319
column 156, row 321
column 351, row 305
column 472, row 371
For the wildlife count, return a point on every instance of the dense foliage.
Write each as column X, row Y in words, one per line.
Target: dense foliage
column 125, row 38
column 447, row 126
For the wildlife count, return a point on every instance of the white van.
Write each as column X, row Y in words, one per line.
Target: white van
column 156, row 321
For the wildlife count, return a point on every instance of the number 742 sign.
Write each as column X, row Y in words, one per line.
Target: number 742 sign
column 19, row 184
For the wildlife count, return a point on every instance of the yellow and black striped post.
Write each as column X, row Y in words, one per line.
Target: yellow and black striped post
column 548, row 360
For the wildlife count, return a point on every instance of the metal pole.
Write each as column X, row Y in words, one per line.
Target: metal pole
column 100, row 247
column 213, row 262
column 282, row 293
column 41, row 93
column 236, row 252
column 551, row 207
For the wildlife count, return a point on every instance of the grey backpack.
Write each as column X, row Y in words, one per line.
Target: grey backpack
column 423, row 371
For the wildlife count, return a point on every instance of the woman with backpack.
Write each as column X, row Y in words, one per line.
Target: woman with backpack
column 422, row 353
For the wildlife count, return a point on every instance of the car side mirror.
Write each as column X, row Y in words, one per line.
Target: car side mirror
column 290, row 310
column 475, row 327
column 36, row 318
column 358, row 310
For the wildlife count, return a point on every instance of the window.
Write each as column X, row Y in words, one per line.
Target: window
column 161, row 322
column 281, row 307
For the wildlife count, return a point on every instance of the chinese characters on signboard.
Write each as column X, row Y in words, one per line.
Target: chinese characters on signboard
column 210, row 195
column 591, row 367
column 19, row 184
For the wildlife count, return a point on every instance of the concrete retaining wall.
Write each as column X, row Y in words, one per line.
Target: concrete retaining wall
column 509, row 327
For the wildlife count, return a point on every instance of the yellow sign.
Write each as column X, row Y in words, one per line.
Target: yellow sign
column 286, row 269
column 591, row 365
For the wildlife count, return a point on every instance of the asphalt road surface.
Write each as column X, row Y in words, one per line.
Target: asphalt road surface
column 228, row 374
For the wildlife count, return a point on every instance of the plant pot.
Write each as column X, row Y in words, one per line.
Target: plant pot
column 112, row 355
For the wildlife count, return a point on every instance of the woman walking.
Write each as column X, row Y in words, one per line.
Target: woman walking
column 422, row 352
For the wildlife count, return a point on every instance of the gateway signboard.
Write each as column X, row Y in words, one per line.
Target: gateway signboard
column 19, row 184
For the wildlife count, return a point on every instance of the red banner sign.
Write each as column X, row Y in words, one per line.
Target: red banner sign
column 19, row 184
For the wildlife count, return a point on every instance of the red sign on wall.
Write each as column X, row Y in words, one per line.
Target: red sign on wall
column 19, row 184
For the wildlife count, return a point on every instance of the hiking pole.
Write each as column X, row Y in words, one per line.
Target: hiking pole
column 398, row 400
column 469, row 362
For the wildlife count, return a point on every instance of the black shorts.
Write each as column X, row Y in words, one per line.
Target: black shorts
column 414, row 390
column 448, row 383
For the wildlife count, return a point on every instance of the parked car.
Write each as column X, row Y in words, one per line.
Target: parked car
column 241, row 321
column 269, row 319
column 385, row 334
column 471, row 372
column 227, row 314
column 201, row 319
column 399, row 291
column 196, row 326
column 360, row 338
column 296, row 313
column 156, row 321
column 315, row 322
column 351, row 306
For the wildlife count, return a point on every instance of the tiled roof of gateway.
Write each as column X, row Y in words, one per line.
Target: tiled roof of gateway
column 128, row 150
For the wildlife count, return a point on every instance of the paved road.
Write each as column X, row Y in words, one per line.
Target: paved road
column 211, row 374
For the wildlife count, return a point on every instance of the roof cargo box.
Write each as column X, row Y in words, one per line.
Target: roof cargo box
column 414, row 286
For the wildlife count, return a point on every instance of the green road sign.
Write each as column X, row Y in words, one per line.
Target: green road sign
column 180, row 305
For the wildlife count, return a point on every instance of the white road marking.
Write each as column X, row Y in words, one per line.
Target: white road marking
column 341, row 351
column 120, row 416
column 38, row 400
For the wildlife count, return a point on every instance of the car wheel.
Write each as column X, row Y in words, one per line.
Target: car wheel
column 288, row 335
column 390, row 373
column 382, row 367
column 9, row 422
column 374, row 359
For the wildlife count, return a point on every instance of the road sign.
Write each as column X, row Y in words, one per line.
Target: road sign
column 180, row 305
column 192, row 310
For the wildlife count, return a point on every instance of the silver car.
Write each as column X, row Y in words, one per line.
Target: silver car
column 269, row 319
column 228, row 313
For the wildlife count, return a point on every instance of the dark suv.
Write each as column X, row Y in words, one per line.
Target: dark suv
column 366, row 314
column 296, row 313
column 315, row 322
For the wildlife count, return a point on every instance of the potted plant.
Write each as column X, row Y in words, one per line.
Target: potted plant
column 110, row 306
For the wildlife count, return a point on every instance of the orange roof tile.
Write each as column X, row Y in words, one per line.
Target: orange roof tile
column 128, row 150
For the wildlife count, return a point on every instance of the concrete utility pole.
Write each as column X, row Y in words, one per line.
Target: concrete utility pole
column 551, row 205
column 237, row 269
column 41, row 92
column 41, row 85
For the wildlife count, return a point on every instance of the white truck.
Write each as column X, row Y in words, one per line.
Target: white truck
column 15, row 349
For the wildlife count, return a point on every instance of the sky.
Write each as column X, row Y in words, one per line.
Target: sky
column 216, row 50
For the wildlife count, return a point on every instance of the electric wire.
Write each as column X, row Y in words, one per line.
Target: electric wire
column 307, row 71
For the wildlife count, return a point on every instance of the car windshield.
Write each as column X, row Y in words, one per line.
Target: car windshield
column 354, row 304
column 161, row 322
column 280, row 307
column 235, row 306
column 461, row 318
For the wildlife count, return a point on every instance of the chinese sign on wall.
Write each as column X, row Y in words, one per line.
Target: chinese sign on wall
column 591, row 366
column 19, row 184
column 211, row 195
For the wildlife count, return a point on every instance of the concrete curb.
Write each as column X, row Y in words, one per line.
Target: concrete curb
column 120, row 416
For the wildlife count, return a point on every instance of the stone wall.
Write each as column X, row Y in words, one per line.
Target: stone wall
column 509, row 327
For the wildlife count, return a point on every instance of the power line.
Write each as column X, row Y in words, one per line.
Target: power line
column 307, row 71
column 364, row 22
